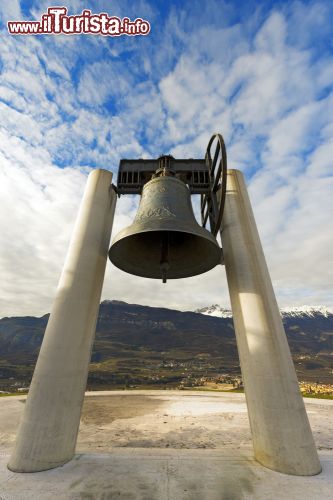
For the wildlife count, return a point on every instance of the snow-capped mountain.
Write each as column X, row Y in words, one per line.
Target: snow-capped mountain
column 310, row 311
column 215, row 310
column 286, row 312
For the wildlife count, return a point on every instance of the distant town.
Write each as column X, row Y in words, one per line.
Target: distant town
column 229, row 383
column 216, row 383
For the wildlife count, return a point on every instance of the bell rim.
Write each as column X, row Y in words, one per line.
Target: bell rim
column 216, row 254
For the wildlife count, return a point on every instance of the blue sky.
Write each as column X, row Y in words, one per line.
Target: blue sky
column 260, row 73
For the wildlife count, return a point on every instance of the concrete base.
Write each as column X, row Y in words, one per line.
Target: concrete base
column 165, row 445
column 139, row 474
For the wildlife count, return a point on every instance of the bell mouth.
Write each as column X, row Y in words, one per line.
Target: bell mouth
column 188, row 254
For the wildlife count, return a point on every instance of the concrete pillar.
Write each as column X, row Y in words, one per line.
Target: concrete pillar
column 48, row 431
column 282, row 436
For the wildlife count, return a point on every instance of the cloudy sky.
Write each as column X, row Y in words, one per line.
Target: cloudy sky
column 259, row 72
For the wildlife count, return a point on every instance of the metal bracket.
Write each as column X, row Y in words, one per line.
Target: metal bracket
column 134, row 174
column 204, row 177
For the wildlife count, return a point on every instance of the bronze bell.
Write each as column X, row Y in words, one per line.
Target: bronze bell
column 165, row 240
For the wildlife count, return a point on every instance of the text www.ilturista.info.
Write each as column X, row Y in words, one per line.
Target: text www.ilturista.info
column 57, row 22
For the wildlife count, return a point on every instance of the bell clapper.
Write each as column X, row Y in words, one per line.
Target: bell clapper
column 164, row 263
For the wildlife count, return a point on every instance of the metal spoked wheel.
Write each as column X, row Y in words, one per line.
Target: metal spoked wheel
column 212, row 206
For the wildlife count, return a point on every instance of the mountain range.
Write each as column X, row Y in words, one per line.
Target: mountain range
column 286, row 312
column 145, row 346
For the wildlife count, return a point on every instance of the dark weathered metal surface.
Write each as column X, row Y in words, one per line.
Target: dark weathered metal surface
column 211, row 207
column 143, row 249
column 134, row 174
column 204, row 177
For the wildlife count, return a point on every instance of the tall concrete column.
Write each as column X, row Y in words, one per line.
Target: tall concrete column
column 282, row 436
column 48, row 431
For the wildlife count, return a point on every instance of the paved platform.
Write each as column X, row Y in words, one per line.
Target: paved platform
column 158, row 445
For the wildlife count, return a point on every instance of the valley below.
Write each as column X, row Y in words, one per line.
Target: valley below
column 141, row 347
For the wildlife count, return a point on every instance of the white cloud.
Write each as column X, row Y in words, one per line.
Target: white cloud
column 271, row 37
column 297, row 131
column 321, row 161
column 87, row 102
column 103, row 80
column 39, row 203
column 10, row 11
